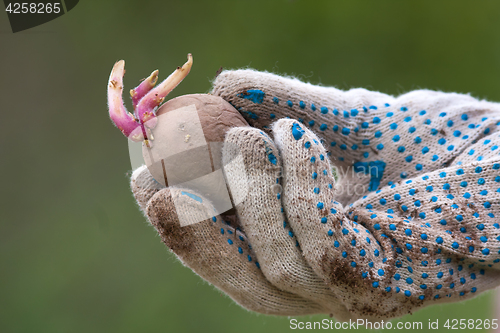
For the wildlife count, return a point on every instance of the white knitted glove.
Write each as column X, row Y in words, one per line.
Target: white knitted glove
column 419, row 180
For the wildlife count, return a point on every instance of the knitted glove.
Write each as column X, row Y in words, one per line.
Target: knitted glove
column 418, row 227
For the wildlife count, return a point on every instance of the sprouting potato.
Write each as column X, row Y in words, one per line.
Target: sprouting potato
column 182, row 138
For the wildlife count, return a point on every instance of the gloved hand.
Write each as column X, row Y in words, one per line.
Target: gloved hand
column 410, row 222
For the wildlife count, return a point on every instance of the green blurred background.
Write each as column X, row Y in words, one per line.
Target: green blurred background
column 76, row 253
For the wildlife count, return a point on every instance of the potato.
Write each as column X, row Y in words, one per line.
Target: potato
column 187, row 142
column 182, row 140
column 216, row 115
